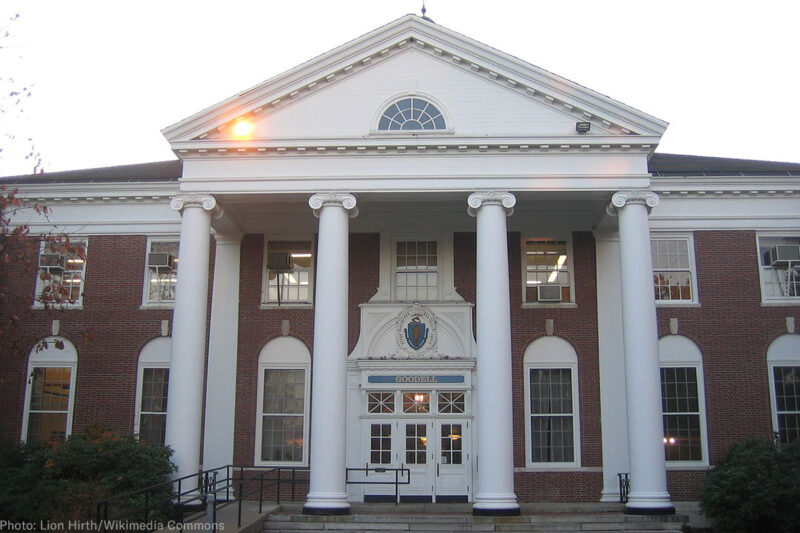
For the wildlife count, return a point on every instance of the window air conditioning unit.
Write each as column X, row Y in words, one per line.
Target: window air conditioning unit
column 549, row 293
column 160, row 260
column 781, row 256
column 279, row 261
column 51, row 260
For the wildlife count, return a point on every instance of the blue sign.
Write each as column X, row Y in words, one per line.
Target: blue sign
column 415, row 379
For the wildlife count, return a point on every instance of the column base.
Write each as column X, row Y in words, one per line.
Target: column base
column 649, row 504
column 326, row 504
column 495, row 505
column 609, row 496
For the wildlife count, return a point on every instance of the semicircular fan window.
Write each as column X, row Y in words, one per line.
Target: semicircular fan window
column 411, row 113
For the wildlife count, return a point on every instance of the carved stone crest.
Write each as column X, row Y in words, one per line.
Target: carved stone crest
column 416, row 331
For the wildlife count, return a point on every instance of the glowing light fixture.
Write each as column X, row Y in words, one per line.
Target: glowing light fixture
column 301, row 254
column 243, row 128
column 669, row 440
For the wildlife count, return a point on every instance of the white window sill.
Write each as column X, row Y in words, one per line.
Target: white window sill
column 558, row 467
column 158, row 306
column 59, row 307
column 537, row 305
column 781, row 303
column 694, row 466
column 676, row 303
column 275, row 306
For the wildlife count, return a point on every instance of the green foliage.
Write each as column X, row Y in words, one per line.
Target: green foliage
column 65, row 481
column 755, row 489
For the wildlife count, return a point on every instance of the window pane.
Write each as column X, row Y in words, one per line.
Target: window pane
column 162, row 271
column 284, row 391
column 380, row 402
column 154, row 390
column 152, row 428
column 681, row 407
column 381, row 443
column 451, row 402
column 282, row 438
column 46, row 427
column 551, row 408
column 289, row 268
column 546, row 263
column 787, row 401
column 416, row 402
column 451, row 444
column 672, row 276
column 416, row 444
column 50, row 389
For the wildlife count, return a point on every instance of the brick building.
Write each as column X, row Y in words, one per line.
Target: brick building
column 417, row 251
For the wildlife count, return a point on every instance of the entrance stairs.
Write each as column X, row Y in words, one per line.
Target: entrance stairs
column 458, row 518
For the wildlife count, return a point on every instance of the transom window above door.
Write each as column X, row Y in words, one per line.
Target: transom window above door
column 411, row 113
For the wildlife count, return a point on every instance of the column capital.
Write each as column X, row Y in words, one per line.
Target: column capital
column 205, row 201
column 477, row 200
column 623, row 198
column 336, row 199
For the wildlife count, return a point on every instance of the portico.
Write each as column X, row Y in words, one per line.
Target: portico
column 402, row 304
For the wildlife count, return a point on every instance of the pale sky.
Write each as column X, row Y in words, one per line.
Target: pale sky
column 107, row 76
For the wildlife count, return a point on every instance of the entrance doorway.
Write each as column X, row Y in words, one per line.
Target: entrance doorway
column 430, row 436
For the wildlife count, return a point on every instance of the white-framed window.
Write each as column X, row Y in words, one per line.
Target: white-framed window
column 50, row 391
column 779, row 266
column 682, row 402
column 416, row 270
column 551, row 404
column 282, row 424
column 289, row 272
column 546, row 270
column 150, row 422
column 411, row 113
column 161, row 271
column 62, row 274
column 783, row 362
column 674, row 275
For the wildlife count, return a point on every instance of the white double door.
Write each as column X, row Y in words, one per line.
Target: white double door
column 435, row 451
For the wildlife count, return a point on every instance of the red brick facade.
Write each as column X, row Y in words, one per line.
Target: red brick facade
column 730, row 326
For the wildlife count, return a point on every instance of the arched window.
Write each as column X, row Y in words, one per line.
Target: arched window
column 151, row 391
column 783, row 360
column 50, row 392
column 411, row 113
column 682, row 401
column 551, row 403
column 283, row 392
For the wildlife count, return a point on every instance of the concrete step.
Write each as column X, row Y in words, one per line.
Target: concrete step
column 457, row 522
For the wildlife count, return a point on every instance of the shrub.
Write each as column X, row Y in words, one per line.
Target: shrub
column 755, row 489
column 64, row 482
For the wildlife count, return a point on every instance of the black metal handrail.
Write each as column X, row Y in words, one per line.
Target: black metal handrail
column 381, row 470
column 624, row 486
column 207, row 488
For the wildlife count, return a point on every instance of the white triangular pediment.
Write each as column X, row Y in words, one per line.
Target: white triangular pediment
column 483, row 93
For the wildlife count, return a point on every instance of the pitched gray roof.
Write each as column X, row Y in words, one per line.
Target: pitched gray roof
column 158, row 171
column 693, row 165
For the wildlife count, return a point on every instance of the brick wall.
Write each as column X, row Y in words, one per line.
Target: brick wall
column 733, row 332
column 731, row 328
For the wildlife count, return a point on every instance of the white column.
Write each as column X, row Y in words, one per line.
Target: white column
column 222, row 353
column 185, row 398
column 495, row 488
column 327, row 491
column 640, row 340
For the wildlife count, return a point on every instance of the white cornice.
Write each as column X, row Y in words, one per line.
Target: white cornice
column 419, row 145
column 126, row 192
column 726, row 186
column 445, row 45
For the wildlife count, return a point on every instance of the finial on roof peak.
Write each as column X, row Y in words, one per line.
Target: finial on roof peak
column 424, row 10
